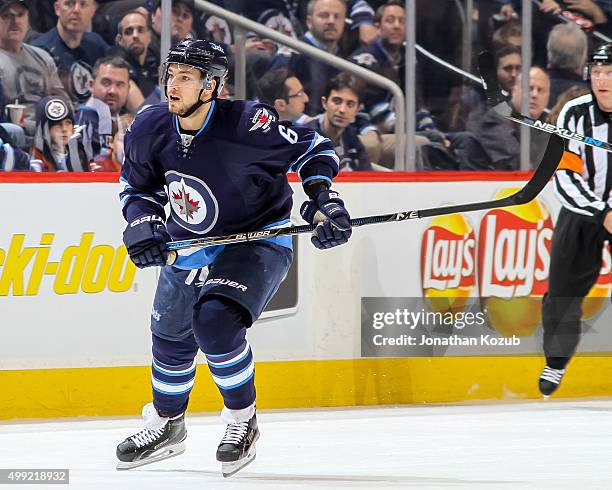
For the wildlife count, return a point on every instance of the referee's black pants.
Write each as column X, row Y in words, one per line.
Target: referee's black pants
column 575, row 263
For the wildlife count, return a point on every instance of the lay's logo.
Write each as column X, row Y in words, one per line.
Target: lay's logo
column 81, row 268
column 447, row 262
column 514, row 246
column 514, row 249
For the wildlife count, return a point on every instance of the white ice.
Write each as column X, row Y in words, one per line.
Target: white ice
column 548, row 444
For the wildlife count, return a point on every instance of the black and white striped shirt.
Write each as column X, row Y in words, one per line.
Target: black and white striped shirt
column 589, row 193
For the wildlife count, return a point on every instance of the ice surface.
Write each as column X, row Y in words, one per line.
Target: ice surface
column 548, row 444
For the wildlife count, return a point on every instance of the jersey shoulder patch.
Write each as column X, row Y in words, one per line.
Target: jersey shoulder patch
column 257, row 118
column 262, row 119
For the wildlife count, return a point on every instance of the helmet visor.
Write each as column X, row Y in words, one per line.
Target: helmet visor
column 183, row 76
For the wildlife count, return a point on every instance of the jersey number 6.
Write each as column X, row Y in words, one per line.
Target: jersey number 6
column 289, row 134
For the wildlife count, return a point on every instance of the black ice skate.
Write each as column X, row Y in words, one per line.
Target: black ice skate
column 550, row 380
column 237, row 448
column 161, row 438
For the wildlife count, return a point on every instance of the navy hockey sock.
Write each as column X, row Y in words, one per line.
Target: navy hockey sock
column 172, row 374
column 220, row 329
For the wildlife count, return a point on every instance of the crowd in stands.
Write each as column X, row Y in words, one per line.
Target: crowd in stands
column 74, row 73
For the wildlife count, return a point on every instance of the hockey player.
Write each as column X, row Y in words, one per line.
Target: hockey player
column 583, row 186
column 223, row 164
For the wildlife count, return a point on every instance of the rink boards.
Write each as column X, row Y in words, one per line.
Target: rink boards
column 74, row 312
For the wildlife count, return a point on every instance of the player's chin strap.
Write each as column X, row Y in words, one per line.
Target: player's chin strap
column 198, row 104
column 201, row 102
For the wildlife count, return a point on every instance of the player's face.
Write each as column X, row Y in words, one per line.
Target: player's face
column 112, row 85
column 601, row 83
column 393, row 25
column 539, row 92
column 184, row 84
column 60, row 134
column 296, row 97
column 75, row 15
column 508, row 69
column 135, row 35
column 341, row 107
column 182, row 21
column 14, row 23
column 327, row 20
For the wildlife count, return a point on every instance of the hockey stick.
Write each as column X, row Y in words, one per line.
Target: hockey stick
column 546, row 169
column 499, row 102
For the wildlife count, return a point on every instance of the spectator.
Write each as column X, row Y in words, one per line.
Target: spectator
column 386, row 56
column 361, row 16
column 181, row 24
column 508, row 66
column 508, row 63
column 133, row 39
column 73, row 49
column 341, row 104
column 325, row 22
column 54, row 127
column 109, row 13
column 111, row 83
column 567, row 54
column 500, row 137
column 284, row 91
column 287, row 16
column 12, row 158
column 26, row 73
column 509, row 33
column 102, row 120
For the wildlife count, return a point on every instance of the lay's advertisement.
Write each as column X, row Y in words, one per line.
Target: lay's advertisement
column 483, row 278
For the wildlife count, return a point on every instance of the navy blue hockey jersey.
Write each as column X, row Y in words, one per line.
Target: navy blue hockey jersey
column 229, row 177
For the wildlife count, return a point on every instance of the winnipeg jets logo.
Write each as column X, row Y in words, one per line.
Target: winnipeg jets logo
column 193, row 205
column 364, row 59
column 80, row 75
column 56, row 109
column 262, row 119
column 187, row 207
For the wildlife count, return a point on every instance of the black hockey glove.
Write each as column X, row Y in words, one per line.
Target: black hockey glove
column 145, row 239
column 334, row 225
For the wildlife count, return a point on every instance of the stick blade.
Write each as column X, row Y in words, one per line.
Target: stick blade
column 496, row 97
column 545, row 170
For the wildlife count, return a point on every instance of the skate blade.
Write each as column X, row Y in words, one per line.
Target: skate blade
column 233, row 467
column 168, row 452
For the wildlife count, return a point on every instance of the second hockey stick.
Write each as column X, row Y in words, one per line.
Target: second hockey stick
column 499, row 103
column 546, row 169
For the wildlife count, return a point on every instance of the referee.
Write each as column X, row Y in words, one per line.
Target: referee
column 582, row 184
